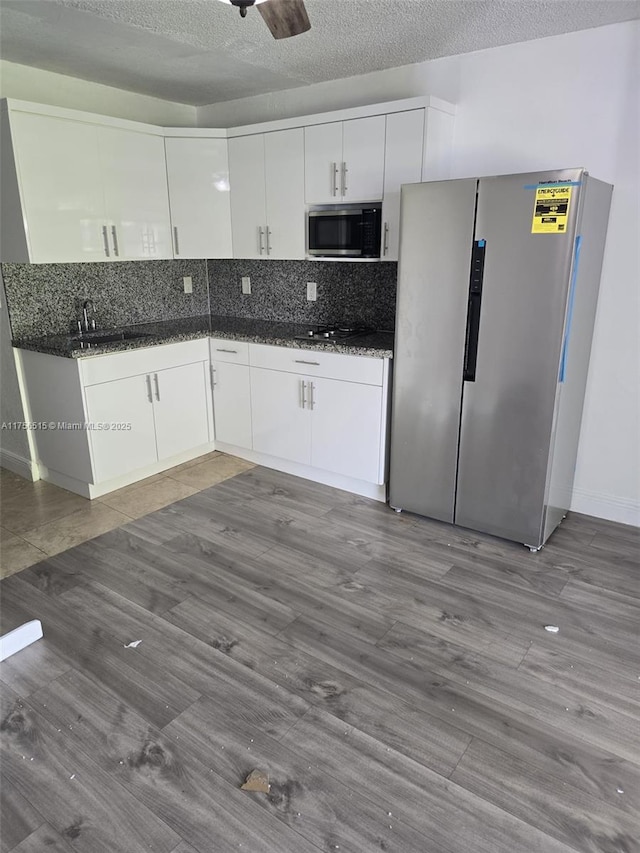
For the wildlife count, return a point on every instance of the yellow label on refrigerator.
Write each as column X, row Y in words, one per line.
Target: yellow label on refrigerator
column 551, row 209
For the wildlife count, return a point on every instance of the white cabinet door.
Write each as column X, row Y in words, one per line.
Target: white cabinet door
column 363, row 159
column 61, row 183
column 402, row 165
column 284, row 172
column 281, row 421
column 118, row 451
column 347, row 428
column 136, row 196
column 198, row 176
column 180, row 408
column 232, row 403
column 248, row 200
column 323, row 163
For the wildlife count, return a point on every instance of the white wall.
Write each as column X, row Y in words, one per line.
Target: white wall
column 570, row 100
column 44, row 87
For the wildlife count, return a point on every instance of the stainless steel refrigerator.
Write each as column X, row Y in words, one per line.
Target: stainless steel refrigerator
column 497, row 288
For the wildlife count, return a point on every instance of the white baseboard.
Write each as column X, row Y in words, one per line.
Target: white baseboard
column 328, row 478
column 97, row 490
column 623, row 510
column 19, row 465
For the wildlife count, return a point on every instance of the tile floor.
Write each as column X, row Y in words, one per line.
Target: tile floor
column 39, row 519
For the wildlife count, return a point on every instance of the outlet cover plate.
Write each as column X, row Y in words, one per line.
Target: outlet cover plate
column 312, row 291
column 246, row 284
column 187, row 283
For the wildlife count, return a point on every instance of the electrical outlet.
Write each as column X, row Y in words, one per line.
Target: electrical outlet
column 246, row 284
column 187, row 282
column 312, row 291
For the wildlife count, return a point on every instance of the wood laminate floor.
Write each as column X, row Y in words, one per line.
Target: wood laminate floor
column 392, row 676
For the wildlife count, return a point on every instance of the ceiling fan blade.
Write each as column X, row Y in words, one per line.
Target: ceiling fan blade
column 285, row 18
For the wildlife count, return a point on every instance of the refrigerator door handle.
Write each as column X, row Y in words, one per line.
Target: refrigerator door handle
column 473, row 311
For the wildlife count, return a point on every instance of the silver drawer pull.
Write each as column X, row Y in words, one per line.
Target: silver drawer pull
column 312, row 388
column 235, row 351
column 149, row 394
column 302, row 361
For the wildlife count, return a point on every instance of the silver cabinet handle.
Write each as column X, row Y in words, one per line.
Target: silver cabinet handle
column 157, row 384
column 218, row 349
column 385, row 244
column 334, row 179
column 106, row 241
column 176, row 242
column 213, row 376
column 268, row 231
column 344, row 178
column 303, row 397
column 149, row 394
column 114, row 235
column 302, row 361
column 312, row 388
column 260, row 236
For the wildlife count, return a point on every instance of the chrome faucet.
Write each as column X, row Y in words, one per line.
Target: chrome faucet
column 87, row 308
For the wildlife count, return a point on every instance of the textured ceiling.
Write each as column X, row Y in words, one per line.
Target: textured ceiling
column 201, row 52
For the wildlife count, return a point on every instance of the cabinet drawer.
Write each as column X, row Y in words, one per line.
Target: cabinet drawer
column 222, row 349
column 105, row 368
column 330, row 365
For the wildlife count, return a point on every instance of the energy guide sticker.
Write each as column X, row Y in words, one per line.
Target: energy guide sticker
column 551, row 210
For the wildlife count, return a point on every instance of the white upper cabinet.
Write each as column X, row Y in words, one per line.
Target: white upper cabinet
column 402, row 165
column 284, row 175
column 199, row 197
column 136, row 197
column 84, row 191
column 323, row 163
column 267, row 194
column 82, row 187
column 344, row 161
column 248, row 196
column 61, row 186
column 363, row 158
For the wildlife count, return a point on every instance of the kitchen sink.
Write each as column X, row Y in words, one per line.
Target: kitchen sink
column 95, row 338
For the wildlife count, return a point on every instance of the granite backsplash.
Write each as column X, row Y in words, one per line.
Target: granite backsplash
column 46, row 299
column 347, row 292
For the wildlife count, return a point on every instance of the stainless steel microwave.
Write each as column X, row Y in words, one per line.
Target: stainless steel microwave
column 349, row 232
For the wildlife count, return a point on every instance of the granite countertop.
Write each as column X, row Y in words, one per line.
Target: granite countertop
column 377, row 344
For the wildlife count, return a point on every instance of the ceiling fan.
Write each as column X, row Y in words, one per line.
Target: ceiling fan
column 284, row 18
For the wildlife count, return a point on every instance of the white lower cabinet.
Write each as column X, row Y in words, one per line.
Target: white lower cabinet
column 180, row 408
column 117, row 451
column 324, row 410
column 122, row 414
column 281, row 422
column 231, row 392
column 347, row 420
column 166, row 408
